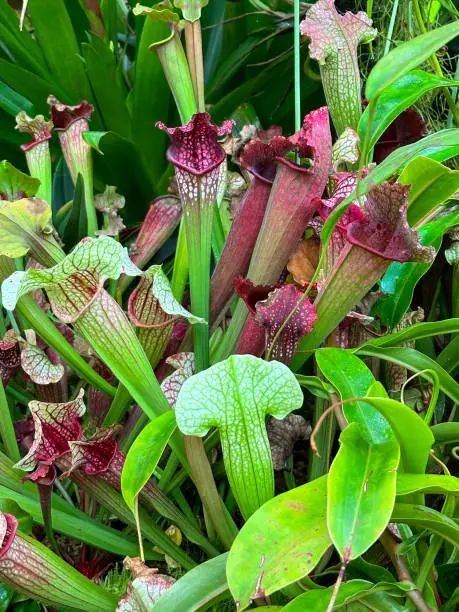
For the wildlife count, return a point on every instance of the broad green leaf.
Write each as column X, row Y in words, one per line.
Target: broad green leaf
column 427, row 483
column 446, row 433
column 401, row 279
column 394, row 99
column 144, row 454
column 15, row 185
column 235, row 396
column 416, row 362
column 162, row 291
column 59, row 45
column 75, row 227
column 361, row 491
column 432, row 184
column 122, row 165
column 200, row 589
column 349, row 592
column 30, row 85
column 25, row 224
column 150, row 99
column 427, row 518
column 407, row 56
column 352, row 378
column 13, row 102
column 281, row 543
column 106, row 82
column 20, row 44
column 413, row 435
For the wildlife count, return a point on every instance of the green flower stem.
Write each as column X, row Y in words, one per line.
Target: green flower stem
column 39, row 164
column 193, row 39
column 436, row 64
column 6, row 428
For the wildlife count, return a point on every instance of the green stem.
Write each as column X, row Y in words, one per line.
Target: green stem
column 297, row 56
column 193, row 40
column 118, row 407
column 391, row 28
column 436, row 64
column 7, row 429
column 320, row 464
column 180, row 272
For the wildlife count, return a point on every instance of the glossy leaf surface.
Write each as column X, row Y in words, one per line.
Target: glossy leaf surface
column 282, row 542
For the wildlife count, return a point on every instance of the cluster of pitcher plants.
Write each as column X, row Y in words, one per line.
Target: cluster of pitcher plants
column 261, row 416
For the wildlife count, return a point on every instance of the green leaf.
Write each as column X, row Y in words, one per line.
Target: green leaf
column 427, row 518
column 427, row 483
column 13, row 102
column 30, row 85
column 122, row 165
column 432, row 184
column 75, row 227
column 351, row 591
column 22, row 225
column 407, row 56
column 199, row 589
column 315, row 385
column 235, row 396
column 60, row 47
column 413, row 435
column 14, row 184
column 144, row 454
column 361, row 491
column 415, row 332
column 107, row 85
column 395, row 99
column 352, row 378
column 150, row 99
column 446, row 433
column 416, row 362
column 281, row 543
column 400, row 279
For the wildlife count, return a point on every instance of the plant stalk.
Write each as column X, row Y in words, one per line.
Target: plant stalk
column 6, row 428
column 193, row 39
